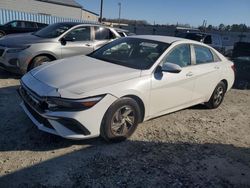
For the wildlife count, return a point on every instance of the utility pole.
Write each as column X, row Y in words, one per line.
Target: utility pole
column 120, row 5
column 100, row 19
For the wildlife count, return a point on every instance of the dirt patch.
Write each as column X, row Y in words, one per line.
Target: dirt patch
column 195, row 147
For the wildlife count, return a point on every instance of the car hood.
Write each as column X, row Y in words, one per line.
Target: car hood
column 82, row 74
column 19, row 40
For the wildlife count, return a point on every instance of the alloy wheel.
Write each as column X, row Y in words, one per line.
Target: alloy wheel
column 122, row 121
column 218, row 96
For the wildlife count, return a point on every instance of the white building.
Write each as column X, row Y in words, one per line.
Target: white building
column 60, row 8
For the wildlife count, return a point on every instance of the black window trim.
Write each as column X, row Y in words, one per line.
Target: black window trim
column 211, row 51
column 191, row 55
column 77, row 27
column 110, row 33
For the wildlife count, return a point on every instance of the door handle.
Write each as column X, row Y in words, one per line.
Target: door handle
column 217, row 67
column 189, row 74
column 88, row 44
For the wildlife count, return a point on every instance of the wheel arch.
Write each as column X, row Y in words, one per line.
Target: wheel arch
column 52, row 57
column 225, row 82
column 140, row 103
column 1, row 31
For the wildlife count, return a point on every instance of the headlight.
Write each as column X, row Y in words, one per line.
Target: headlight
column 56, row 104
column 16, row 50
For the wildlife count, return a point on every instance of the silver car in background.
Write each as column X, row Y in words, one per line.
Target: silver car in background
column 22, row 52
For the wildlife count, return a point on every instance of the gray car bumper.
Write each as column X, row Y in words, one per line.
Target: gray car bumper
column 15, row 62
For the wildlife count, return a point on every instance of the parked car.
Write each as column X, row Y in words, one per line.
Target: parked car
column 242, row 69
column 20, row 26
column 123, row 83
column 21, row 53
column 213, row 40
column 241, row 59
column 123, row 32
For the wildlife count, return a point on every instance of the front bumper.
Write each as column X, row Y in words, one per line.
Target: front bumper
column 71, row 125
column 14, row 62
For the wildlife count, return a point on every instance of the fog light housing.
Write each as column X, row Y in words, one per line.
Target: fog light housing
column 14, row 62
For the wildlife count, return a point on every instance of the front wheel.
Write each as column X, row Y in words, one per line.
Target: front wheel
column 39, row 60
column 120, row 120
column 217, row 96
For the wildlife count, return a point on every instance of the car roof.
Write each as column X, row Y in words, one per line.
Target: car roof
column 24, row 21
column 165, row 39
column 79, row 23
column 120, row 30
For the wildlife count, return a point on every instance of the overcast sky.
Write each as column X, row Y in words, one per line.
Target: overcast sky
column 192, row 12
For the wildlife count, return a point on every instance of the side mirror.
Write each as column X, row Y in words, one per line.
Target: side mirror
column 171, row 67
column 66, row 39
column 63, row 41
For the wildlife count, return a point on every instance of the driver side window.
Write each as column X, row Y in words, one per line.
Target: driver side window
column 180, row 55
column 79, row 34
column 14, row 24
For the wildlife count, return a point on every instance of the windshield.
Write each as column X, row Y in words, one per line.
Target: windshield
column 53, row 31
column 131, row 52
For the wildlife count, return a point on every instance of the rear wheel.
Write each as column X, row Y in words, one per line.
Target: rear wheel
column 217, row 96
column 120, row 120
column 39, row 60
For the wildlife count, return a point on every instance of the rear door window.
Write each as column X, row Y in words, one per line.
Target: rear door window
column 40, row 25
column 203, row 55
column 102, row 33
column 30, row 24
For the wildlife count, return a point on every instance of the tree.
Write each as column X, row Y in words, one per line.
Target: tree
column 243, row 27
column 210, row 28
column 222, row 27
column 228, row 28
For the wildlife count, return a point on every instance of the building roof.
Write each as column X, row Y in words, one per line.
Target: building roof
column 70, row 3
column 90, row 12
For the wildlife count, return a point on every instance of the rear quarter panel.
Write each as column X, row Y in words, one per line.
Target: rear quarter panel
column 228, row 73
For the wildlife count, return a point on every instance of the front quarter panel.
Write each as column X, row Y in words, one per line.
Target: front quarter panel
column 91, row 118
column 51, row 48
column 139, row 87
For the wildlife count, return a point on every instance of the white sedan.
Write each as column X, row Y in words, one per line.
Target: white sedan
column 125, row 82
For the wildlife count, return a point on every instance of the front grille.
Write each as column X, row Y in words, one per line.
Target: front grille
column 1, row 52
column 32, row 99
column 36, row 106
column 38, row 117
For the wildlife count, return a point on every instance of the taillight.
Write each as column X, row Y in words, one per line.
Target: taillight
column 234, row 69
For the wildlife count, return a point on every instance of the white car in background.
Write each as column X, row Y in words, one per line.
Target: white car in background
column 123, row 83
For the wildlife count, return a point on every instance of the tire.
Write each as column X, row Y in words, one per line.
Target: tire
column 217, row 97
column 121, row 120
column 2, row 34
column 39, row 60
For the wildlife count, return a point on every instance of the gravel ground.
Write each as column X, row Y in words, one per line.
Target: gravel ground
column 195, row 147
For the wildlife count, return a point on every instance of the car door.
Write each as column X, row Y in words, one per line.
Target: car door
column 102, row 36
column 77, row 42
column 16, row 27
column 206, row 71
column 172, row 91
column 30, row 26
